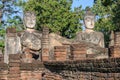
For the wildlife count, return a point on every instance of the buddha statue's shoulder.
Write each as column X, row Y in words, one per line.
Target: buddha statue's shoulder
column 80, row 33
column 100, row 34
column 37, row 33
column 34, row 35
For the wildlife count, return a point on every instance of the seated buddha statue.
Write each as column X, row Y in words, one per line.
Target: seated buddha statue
column 30, row 38
column 93, row 39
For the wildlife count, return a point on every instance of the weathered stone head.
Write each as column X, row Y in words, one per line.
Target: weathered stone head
column 89, row 19
column 29, row 19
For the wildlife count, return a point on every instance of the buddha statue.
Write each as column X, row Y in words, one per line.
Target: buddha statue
column 89, row 35
column 93, row 39
column 31, row 38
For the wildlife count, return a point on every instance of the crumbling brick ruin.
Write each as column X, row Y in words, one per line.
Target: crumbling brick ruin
column 87, row 69
column 69, row 62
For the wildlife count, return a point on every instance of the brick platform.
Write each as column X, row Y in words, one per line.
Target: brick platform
column 60, row 53
column 78, row 51
column 87, row 69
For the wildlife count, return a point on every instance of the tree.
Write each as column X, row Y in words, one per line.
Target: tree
column 10, row 13
column 1, row 31
column 57, row 15
column 104, row 9
column 9, row 17
column 116, row 13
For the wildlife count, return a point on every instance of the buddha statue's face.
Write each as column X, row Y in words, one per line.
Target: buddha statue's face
column 89, row 22
column 30, row 20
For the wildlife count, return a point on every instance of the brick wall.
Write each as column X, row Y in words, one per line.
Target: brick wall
column 60, row 53
column 78, row 51
column 3, row 71
column 87, row 69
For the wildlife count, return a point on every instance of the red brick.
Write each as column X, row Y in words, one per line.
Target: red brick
column 45, row 58
column 14, row 72
column 60, row 53
column 37, row 75
column 14, row 61
column 60, row 47
column 14, row 64
column 14, row 68
column 13, row 75
column 60, row 58
column 79, row 52
column 4, row 72
column 80, row 56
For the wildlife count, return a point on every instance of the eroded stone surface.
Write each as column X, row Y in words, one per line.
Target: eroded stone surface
column 93, row 40
column 31, row 40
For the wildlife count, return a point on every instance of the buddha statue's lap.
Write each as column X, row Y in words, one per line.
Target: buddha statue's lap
column 93, row 37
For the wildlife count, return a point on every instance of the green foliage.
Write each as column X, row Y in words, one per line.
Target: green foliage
column 10, row 13
column 116, row 13
column 2, row 44
column 104, row 14
column 16, row 22
column 108, row 16
column 2, row 32
column 57, row 15
column 9, row 17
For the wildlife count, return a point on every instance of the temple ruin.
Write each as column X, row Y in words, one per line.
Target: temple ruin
column 34, row 55
column 70, row 62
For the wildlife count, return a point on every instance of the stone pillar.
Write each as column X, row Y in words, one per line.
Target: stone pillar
column 117, row 38
column 12, row 43
column 45, row 44
column 115, row 49
column 45, row 38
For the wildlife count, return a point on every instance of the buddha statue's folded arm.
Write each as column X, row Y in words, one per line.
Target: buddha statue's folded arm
column 78, row 38
column 101, row 42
